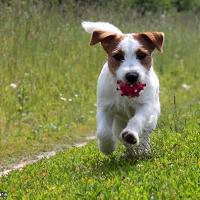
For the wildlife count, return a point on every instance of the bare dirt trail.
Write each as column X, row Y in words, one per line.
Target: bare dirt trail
column 43, row 155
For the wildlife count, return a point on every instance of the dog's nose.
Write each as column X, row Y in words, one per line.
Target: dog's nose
column 132, row 77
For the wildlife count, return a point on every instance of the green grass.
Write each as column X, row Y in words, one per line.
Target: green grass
column 42, row 53
column 171, row 172
column 47, row 55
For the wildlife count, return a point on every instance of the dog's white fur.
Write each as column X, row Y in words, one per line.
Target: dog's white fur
column 118, row 114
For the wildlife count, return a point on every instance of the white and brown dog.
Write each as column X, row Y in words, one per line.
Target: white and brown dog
column 128, row 89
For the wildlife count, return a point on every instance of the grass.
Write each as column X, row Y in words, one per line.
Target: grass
column 170, row 173
column 40, row 54
column 45, row 53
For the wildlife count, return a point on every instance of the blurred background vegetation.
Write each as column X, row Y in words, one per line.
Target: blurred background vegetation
column 142, row 6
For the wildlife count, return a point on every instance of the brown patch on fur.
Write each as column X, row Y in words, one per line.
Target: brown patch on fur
column 109, row 42
column 150, row 40
column 147, row 60
column 114, row 64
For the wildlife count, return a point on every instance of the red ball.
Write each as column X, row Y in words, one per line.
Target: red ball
column 130, row 90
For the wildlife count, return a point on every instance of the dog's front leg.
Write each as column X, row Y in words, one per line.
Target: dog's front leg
column 140, row 126
column 105, row 137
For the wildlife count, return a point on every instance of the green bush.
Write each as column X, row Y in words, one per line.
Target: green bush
column 182, row 5
column 141, row 6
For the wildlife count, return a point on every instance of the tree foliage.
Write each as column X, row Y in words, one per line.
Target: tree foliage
column 142, row 6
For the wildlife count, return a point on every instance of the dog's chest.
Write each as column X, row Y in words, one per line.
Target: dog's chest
column 124, row 107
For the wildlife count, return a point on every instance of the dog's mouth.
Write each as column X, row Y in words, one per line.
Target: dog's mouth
column 130, row 90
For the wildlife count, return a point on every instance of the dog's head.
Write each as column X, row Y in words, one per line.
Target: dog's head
column 129, row 55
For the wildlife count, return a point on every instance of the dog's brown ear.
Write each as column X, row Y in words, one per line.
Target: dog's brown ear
column 102, row 36
column 153, row 39
column 109, row 40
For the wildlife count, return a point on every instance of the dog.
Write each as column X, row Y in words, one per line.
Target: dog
column 128, row 103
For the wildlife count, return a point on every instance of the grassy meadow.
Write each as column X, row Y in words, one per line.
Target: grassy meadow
column 48, row 76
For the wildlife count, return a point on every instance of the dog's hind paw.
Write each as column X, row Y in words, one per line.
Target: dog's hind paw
column 138, row 152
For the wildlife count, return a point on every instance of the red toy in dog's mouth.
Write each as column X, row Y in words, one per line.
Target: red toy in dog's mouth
column 130, row 90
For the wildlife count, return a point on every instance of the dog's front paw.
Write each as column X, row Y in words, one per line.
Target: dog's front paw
column 130, row 137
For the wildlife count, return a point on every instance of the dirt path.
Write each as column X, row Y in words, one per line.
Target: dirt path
column 44, row 155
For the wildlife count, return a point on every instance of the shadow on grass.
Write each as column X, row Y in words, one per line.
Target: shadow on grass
column 109, row 165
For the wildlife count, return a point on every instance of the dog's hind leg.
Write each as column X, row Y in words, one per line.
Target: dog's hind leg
column 143, row 149
column 105, row 137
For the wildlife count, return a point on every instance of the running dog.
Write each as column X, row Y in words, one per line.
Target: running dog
column 128, row 89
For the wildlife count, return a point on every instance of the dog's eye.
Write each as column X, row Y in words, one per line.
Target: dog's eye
column 141, row 55
column 118, row 57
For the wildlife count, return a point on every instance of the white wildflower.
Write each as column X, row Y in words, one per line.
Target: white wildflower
column 63, row 98
column 13, row 85
column 185, row 86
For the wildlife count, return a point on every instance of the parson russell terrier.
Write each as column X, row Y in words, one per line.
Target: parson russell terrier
column 128, row 89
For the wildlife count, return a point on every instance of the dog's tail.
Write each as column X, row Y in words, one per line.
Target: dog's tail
column 103, row 26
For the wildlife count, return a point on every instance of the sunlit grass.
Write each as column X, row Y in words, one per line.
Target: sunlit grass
column 46, row 55
column 171, row 172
